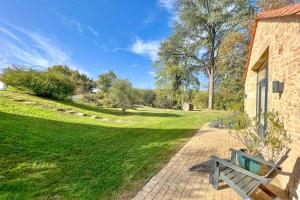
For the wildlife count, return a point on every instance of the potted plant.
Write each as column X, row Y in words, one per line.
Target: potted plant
column 269, row 144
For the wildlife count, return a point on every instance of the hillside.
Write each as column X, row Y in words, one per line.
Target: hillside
column 62, row 150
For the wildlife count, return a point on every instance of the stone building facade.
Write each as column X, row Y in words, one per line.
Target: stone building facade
column 275, row 56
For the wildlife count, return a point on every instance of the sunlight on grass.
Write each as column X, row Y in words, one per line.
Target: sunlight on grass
column 50, row 154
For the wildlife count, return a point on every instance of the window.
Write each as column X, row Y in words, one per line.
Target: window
column 262, row 97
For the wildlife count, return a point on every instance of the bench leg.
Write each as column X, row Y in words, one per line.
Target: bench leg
column 269, row 192
column 215, row 175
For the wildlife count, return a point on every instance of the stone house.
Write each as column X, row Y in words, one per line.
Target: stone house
column 272, row 81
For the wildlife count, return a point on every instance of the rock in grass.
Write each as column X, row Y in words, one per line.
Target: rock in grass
column 81, row 114
column 95, row 117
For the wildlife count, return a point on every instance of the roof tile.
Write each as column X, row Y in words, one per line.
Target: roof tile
column 281, row 12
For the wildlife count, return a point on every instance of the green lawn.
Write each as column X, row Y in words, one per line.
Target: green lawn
column 47, row 153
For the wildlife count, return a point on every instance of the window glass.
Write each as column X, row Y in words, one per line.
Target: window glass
column 262, row 96
column 262, row 73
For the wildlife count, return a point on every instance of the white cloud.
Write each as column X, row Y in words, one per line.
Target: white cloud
column 168, row 4
column 76, row 25
column 146, row 48
column 95, row 33
column 8, row 33
column 68, row 21
column 26, row 47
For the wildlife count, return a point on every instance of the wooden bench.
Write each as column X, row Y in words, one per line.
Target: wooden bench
column 241, row 180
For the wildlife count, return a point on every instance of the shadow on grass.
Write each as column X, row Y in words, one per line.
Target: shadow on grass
column 91, row 161
column 118, row 112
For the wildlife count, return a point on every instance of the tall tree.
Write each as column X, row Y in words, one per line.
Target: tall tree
column 231, row 67
column 105, row 81
column 199, row 32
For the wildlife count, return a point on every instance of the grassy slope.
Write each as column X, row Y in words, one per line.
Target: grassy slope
column 48, row 154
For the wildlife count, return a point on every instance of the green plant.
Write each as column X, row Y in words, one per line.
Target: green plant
column 276, row 138
column 200, row 99
column 270, row 143
column 91, row 99
column 53, row 85
column 245, row 130
column 105, row 80
column 121, row 93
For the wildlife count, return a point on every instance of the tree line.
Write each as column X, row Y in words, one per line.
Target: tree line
column 209, row 37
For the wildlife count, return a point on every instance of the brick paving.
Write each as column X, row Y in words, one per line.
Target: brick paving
column 175, row 181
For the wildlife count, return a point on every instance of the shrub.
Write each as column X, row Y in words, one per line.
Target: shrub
column 81, row 81
column 19, row 77
column 91, row 99
column 121, row 93
column 271, row 143
column 276, row 138
column 53, row 85
column 42, row 83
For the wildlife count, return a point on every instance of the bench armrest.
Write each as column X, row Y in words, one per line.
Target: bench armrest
column 241, row 170
column 257, row 159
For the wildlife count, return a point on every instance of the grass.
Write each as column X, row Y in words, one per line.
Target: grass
column 47, row 153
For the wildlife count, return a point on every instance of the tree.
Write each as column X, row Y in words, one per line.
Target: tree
column 83, row 84
column 200, row 99
column 163, row 99
column 121, row 93
column 144, row 97
column 231, row 66
column 265, row 5
column 179, row 79
column 198, row 34
column 105, row 81
column 148, row 97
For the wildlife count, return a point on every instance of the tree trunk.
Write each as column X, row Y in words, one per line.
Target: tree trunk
column 211, row 89
column 212, row 68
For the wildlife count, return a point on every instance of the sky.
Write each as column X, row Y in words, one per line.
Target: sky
column 90, row 36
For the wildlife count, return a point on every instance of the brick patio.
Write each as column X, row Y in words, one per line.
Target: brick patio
column 175, row 181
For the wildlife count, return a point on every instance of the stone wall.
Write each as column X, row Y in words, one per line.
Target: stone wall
column 282, row 37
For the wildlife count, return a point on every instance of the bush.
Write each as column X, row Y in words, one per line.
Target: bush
column 53, row 85
column 270, row 143
column 122, row 94
column 81, row 81
column 19, row 77
column 42, row 83
column 92, row 99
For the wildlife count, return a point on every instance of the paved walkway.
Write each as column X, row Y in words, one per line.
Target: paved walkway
column 175, row 181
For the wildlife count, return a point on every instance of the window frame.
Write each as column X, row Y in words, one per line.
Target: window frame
column 259, row 85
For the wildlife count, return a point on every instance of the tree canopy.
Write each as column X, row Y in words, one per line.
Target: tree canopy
column 198, row 34
column 121, row 93
column 105, row 80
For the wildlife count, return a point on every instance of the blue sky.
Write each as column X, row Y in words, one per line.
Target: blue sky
column 92, row 36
